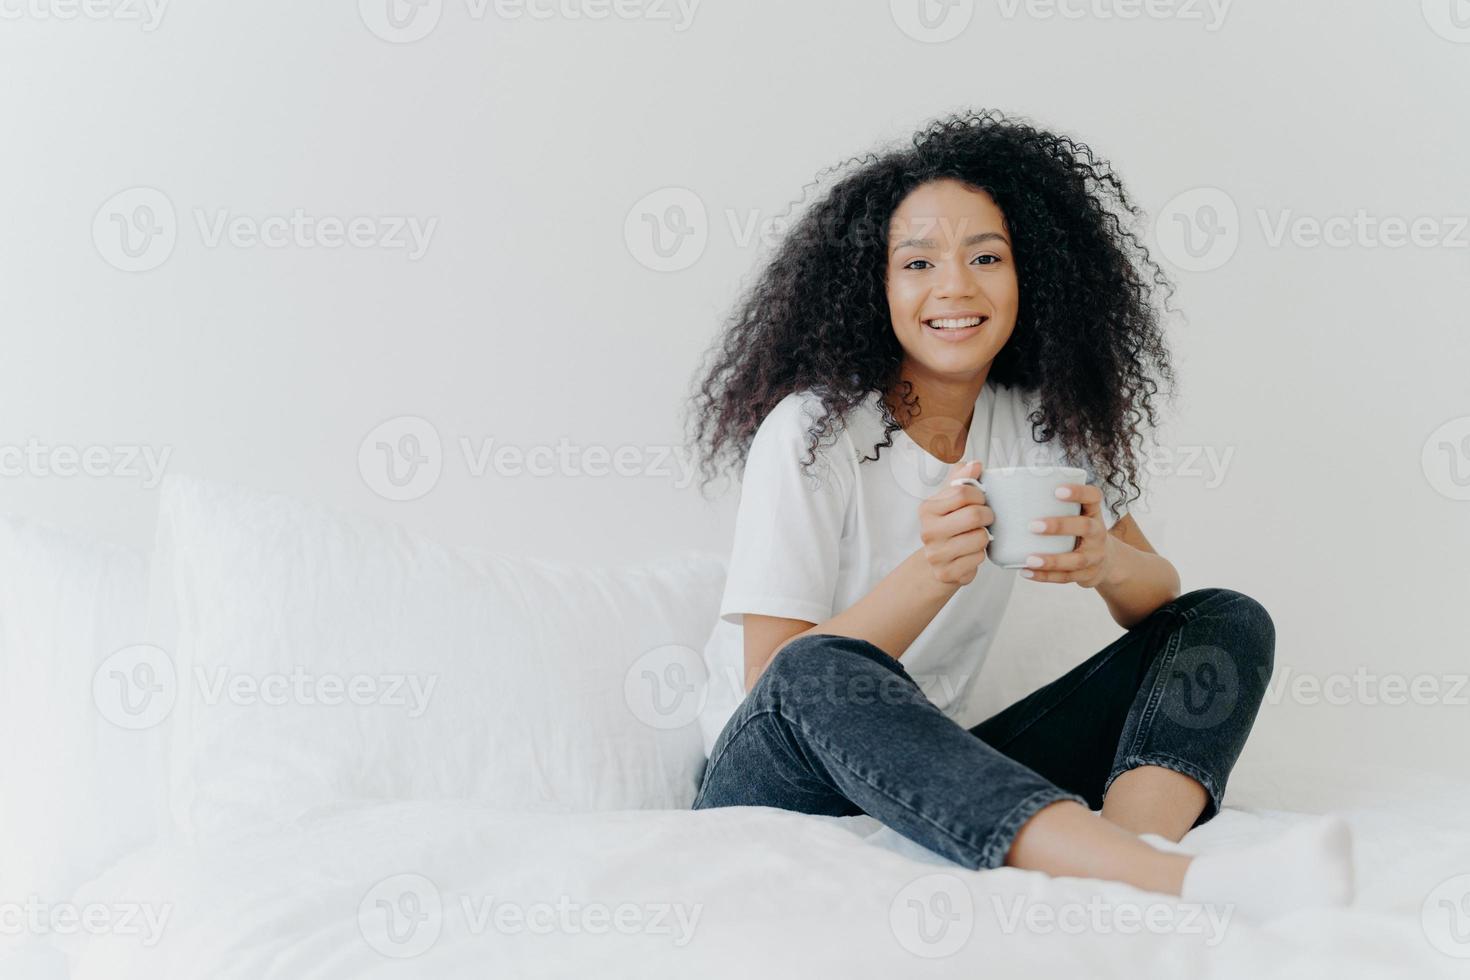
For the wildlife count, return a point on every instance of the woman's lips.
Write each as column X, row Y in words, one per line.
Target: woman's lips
column 955, row 328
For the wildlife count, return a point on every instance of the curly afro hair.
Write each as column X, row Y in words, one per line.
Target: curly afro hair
column 1087, row 337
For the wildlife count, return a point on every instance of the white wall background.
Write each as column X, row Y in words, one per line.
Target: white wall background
column 1325, row 372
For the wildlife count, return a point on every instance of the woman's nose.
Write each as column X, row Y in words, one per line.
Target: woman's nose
column 957, row 281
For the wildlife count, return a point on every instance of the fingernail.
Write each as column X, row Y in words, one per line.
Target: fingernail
column 1027, row 573
column 1036, row 526
column 1034, row 562
column 1064, row 492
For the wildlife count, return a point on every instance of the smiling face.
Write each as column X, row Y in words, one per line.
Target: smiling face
column 951, row 281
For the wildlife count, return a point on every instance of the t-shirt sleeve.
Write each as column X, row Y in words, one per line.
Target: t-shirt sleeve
column 788, row 529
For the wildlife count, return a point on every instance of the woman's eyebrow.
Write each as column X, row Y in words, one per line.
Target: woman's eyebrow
column 983, row 236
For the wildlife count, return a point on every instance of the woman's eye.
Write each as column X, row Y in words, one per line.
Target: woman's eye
column 990, row 259
column 915, row 263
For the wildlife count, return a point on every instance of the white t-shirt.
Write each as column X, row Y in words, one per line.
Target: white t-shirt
column 810, row 542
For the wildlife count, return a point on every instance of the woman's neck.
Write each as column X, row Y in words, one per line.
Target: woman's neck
column 946, row 407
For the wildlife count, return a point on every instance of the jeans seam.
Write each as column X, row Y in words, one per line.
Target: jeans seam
column 1156, row 693
column 979, row 849
column 724, row 749
column 1182, row 766
column 1185, row 615
column 882, row 659
column 997, row 844
column 842, row 760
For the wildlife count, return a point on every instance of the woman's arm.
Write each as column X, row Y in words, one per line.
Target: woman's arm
column 953, row 526
column 1118, row 562
column 889, row 617
column 1138, row 579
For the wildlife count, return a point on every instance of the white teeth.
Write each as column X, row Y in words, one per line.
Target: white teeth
column 959, row 323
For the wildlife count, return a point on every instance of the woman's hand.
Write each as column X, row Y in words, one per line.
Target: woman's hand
column 1090, row 561
column 953, row 524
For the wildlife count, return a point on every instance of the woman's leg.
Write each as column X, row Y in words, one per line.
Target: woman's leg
column 836, row 726
column 1150, row 727
column 1154, row 800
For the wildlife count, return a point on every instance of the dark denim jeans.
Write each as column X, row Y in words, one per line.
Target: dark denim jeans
column 835, row 726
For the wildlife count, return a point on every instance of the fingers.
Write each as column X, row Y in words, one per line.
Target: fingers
column 959, row 558
column 1082, row 524
column 965, row 467
column 951, row 499
column 958, row 521
column 1084, row 493
column 1090, row 497
column 1069, row 561
column 1041, row 575
column 970, row 545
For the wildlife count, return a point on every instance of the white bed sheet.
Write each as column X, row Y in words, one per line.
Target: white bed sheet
column 764, row 893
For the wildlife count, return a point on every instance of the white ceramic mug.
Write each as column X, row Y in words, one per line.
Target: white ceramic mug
column 1020, row 495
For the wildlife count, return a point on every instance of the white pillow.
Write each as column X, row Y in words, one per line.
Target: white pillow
column 455, row 673
column 77, row 789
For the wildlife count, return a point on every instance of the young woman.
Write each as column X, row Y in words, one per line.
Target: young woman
column 973, row 299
